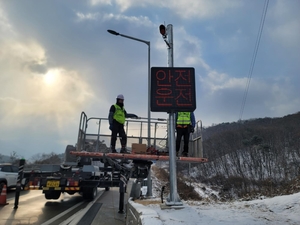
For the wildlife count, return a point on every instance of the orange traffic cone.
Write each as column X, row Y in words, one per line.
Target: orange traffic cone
column 3, row 196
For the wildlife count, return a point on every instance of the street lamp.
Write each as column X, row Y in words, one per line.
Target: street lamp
column 149, row 183
column 149, row 78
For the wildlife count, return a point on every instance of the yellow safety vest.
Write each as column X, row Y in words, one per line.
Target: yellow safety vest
column 119, row 114
column 184, row 118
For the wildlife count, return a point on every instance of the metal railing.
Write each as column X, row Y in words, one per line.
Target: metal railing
column 94, row 134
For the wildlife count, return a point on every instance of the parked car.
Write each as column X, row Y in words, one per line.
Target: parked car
column 8, row 175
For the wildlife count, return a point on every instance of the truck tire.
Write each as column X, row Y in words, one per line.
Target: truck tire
column 90, row 193
column 107, row 188
column 52, row 194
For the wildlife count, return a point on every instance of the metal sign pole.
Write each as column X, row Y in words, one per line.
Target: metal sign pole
column 173, row 198
column 149, row 180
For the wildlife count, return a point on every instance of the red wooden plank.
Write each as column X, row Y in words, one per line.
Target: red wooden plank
column 138, row 156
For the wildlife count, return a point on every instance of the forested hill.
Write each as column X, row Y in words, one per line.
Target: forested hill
column 259, row 156
column 283, row 132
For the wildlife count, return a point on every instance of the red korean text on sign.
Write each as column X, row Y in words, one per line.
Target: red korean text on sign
column 172, row 89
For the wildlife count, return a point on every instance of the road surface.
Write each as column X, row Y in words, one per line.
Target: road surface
column 33, row 208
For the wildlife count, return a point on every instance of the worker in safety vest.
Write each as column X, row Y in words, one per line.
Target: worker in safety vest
column 185, row 123
column 116, row 118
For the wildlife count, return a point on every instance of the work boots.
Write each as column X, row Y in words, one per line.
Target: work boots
column 124, row 151
column 184, row 154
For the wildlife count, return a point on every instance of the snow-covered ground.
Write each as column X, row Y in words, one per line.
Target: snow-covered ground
column 276, row 211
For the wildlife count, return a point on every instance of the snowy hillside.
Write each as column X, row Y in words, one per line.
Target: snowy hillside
column 210, row 210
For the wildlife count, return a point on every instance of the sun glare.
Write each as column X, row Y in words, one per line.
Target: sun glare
column 51, row 77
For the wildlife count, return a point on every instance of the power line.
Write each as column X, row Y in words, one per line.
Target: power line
column 261, row 26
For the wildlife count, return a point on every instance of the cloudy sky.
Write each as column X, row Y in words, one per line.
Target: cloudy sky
column 57, row 59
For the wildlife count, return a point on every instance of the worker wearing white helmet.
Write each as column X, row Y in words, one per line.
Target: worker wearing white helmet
column 116, row 118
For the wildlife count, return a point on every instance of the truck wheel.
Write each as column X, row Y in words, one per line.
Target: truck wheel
column 90, row 193
column 107, row 188
column 95, row 192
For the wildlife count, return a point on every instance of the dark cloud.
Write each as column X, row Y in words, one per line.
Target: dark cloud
column 38, row 68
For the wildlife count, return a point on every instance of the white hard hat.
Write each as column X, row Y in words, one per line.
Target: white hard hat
column 120, row 96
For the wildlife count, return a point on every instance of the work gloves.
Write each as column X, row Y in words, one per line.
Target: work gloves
column 131, row 115
column 192, row 130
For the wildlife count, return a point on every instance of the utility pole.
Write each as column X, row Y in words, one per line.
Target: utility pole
column 173, row 198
